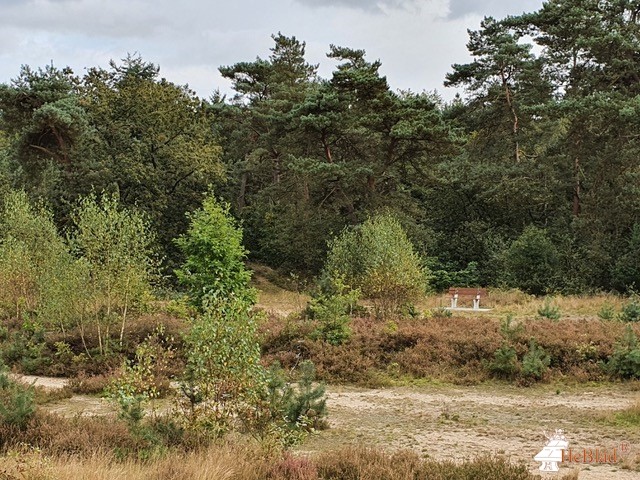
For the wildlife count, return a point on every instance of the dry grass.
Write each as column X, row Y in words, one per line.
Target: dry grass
column 521, row 305
column 228, row 463
column 275, row 299
column 33, row 465
column 272, row 297
column 628, row 417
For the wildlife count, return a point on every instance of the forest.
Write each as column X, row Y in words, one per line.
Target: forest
column 145, row 234
column 528, row 180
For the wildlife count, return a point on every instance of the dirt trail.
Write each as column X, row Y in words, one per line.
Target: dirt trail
column 448, row 422
column 445, row 422
column 39, row 381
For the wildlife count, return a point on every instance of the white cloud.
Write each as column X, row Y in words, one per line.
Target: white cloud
column 416, row 40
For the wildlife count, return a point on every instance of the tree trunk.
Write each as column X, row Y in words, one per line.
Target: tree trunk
column 243, row 191
column 576, row 186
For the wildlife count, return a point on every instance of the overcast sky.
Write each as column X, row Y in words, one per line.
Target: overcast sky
column 416, row 40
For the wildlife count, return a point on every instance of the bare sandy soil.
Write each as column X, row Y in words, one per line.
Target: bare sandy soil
column 454, row 423
column 447, row 422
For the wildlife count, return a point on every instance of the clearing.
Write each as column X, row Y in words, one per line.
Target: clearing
column 456, row 422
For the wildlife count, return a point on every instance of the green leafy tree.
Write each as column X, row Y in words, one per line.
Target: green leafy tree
column 309, row 156
column 214, row 256
column 115, row 245
column 151, row 143
column 46, row 124
column 34, row 261
column 223, row 376
column 532, row 262
column 378, row 258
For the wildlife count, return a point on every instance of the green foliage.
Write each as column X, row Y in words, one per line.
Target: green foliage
column 441, row 312
column 532, row 262
column 308, row 402
column 33, row 257
column 379, row 259
column 214, row 265
column 607, row 311
column 114, row 244
column 287, row 412
column 548, row 310
column 505, row 362
column 626, row 270
column 323, row 154
column 630, row 311
column 17, row 404
column 535, row 362
column 625, row 360
column 223, row 373
column 143, row 379
column 442, row 279
column 509, row 329
column 505, row 359
column 332, row 311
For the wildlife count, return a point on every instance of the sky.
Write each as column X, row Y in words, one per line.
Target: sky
column 416, row 40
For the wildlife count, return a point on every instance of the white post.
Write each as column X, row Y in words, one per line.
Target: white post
column 476, row 302
column 454, row 301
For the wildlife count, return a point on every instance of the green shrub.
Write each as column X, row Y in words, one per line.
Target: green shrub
column 505, row 362
column 308, row 404
column 441, row 312
column 286, row 412
column 223, row 372
column 332, row 312
column 214, row 256
column 532, row 262
column 552, row 312
column 607, row 311
column 509, row 329
column 378, row 259
column 631, row 310
column 535, row 362
column 625, row 360
column 17, row 404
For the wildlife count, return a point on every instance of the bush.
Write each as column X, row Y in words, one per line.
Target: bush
column 631, row 310
column 223, row 372
column 535, row 362
column 625, row 360
column 505, row 362
column 552, row 312
column 379, row 260
column 214, row 265
column 532, row 262
column 332, row 311
column 284, row 413
column 17, row 404
column 607, row 312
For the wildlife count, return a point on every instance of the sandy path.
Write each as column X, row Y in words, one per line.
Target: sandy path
column 445, row 422
column 39, row 381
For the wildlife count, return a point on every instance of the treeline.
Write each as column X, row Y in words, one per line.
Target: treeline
column 530, row 181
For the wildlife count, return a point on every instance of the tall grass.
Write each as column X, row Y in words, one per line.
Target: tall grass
column 232, row 463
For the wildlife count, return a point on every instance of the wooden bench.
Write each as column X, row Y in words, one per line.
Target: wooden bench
column 474, row 293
